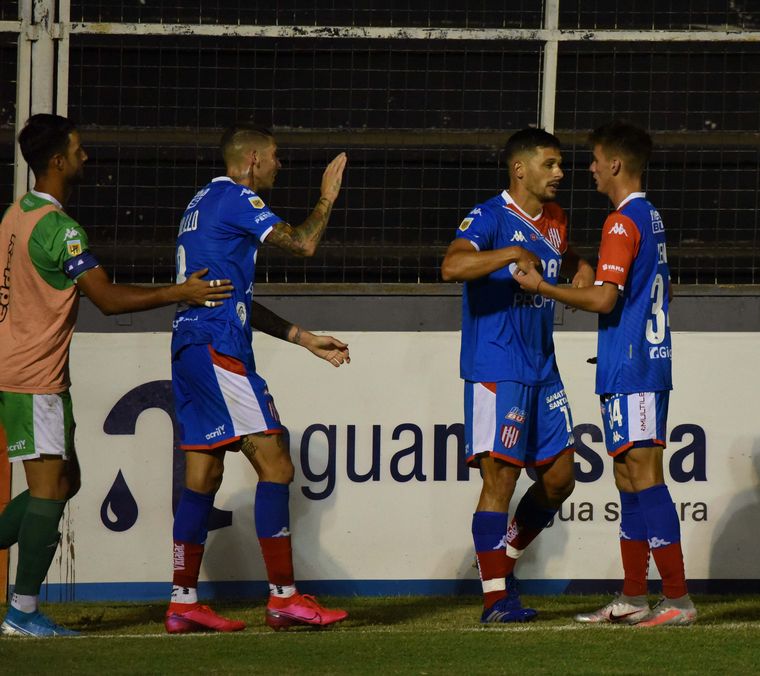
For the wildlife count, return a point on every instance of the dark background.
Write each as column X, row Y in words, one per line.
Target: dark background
column 422, row 121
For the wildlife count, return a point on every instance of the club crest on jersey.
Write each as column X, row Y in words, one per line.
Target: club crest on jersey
column 74, row 247
column 256, row 202
column 509, row 435
column 553, row 236
column 617, row 229
column 465, row 224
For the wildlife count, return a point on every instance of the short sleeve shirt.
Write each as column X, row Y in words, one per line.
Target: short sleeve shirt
column 506, row 332
column 221, row 229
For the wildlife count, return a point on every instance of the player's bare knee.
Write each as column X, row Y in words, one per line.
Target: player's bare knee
column 563, row 491
column 499, row 485
column 214, row 482
column 278, row 469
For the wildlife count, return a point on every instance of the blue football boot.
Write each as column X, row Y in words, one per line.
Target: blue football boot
column 36, row 624
column 508, row 609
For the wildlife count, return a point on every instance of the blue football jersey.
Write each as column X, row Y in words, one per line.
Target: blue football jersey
column 507, row 332
column 634, row 349
column 221, row 229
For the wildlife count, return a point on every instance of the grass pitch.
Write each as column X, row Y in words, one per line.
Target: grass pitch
column 399, row 635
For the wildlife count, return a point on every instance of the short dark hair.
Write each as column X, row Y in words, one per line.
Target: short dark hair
column 43, row 137
column 529, row 139
column 630, row 141
column 243, row 132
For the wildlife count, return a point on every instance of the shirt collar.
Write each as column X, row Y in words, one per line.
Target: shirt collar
column 632, row 196
column 509, row 200
column 46, row 197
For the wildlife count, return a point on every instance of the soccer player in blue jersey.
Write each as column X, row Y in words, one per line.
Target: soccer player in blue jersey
column 47, row 263
column 222, row 403
column 633, row 375
column 516, row 410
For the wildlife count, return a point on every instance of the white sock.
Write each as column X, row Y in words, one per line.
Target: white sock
column 24, row 602
column 282, row 591
column 184, row 594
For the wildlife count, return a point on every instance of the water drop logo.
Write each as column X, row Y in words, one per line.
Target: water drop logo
column 119, row 510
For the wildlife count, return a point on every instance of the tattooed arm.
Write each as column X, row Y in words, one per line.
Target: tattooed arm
column 325, row 347
column 303, row 240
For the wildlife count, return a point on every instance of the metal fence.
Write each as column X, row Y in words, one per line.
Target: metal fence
column 422, row 97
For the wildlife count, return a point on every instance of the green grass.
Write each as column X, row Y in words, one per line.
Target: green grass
column 399, row 635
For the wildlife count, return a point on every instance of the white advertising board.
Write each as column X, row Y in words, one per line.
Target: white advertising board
column 380, row 503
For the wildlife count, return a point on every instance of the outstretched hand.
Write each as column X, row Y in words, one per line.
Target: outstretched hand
column 208, row 292
column 333, row 177
column 326, row 347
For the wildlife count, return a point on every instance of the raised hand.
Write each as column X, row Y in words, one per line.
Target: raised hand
column 333, row 177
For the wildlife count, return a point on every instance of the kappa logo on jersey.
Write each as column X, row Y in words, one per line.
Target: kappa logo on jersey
column 74, row 247
column 71, row 233
column 518, row 237
column 510, row 434
column 476, row 212
column 465, row 224
column 516, row 414
column 617, row 229
column 256, row 202
column 617, row 437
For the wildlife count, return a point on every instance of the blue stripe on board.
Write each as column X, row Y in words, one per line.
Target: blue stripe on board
column 159, row 591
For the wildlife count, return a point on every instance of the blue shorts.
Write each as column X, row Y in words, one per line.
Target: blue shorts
column 634, row 420
column 521, row 424
column 218, row 399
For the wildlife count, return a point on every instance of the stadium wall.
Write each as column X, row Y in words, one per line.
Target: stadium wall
column 381, row 503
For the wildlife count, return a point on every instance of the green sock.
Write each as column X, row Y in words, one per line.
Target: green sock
column 10, row 519
column 37, row 543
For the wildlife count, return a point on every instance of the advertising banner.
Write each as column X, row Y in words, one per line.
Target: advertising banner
column 381, row 501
